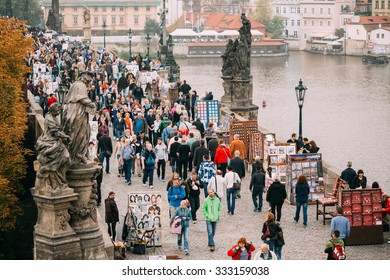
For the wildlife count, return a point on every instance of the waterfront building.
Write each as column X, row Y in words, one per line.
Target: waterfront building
column 119, row 15
column 290, row 11
column 380, row 7
column 320, row 19
column 229, row 7
column 367, row 34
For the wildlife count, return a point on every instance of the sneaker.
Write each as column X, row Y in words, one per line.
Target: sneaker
column 232, row 212
column 150, row 187
column 139, row 175
column 305, row 226
column 158, row 178
column 194, row 222
column 129, row 183
column 295, row 221
column 180, row 248
column 119, row 175
column 186, row 252
column 212, row 248
column 238, row 196
column 255, row 210
column 144, row 185
column 163, row 180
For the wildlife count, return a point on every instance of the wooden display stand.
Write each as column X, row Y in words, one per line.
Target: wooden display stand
column 243, row 129
column 363, row 209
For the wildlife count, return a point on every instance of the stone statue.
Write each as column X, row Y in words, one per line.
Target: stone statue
column 51, row 22
column 227, row 57
column 53, row 156
column 77, row 108
column 87, row 16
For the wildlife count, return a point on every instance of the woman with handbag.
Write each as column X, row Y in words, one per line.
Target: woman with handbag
column 269, row 231
column 183, row 213
column 222, row 157
column 232, row 183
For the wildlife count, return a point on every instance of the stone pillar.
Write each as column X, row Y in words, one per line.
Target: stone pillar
column 54, row 239
column 87, row 33
column 241, row 94
column 84, row 213
column 226, row 99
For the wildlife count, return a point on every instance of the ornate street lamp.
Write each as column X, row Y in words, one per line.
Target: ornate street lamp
column 130, row 37
column 300, row 92
column 104, row 32
column 148, row 38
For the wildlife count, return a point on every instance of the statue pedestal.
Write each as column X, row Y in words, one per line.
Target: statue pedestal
column 87, row 34
column 54, row 239
column 238, row 97
column 84, row 213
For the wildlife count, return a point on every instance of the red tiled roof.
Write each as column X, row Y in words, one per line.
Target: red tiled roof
column 371, row 20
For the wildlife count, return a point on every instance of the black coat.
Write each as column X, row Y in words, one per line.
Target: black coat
column 198, row 156
column 213, row 145
column 199, row 126
column 104, row 144
column 238, row 166
column 348, row 175
column 257, row 182
column 255, row 165
column 276, row 193
column 112, row 213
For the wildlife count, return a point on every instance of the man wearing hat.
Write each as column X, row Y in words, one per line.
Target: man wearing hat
column 348, row 174
column 77, row 107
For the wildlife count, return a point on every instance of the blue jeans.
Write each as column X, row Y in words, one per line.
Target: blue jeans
column 184, row 234
column 271, row 244
column 231, row 193
column 127, row 168
column 118, row 133
column 278, row 251
column 298, row 210
column 101, row 159
column 211, row 228
column 256, row 196
column 148, row 173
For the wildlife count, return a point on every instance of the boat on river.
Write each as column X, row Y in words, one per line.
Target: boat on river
column 375, row 59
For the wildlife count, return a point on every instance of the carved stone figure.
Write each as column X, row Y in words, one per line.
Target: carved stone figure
column 227, row 57
column 87, row 16
column 51, row 22
column 53, row 156
column 77, row 108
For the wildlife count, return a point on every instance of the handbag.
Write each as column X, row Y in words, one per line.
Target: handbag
column 237, row 183
column 107, row 153
column 228, row 158
column 176, row 227
column 139, row 248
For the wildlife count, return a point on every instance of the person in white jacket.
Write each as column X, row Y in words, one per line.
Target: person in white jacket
column 231, row 193
column 265, row 254
column 217, row 183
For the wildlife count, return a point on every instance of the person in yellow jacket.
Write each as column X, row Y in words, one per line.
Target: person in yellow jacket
column 238, row 145
column 211, row 210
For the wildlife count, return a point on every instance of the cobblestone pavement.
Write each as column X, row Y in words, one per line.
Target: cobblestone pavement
column 301, row 243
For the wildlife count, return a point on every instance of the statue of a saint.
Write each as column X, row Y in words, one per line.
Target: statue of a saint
column 228, row 57
column 77, row 108
column 87, row 16
column 53, row 156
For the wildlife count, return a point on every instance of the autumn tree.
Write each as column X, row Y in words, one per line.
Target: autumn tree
column 13, row 119
column 24, row 9
column 273, row 24
column 151, row 26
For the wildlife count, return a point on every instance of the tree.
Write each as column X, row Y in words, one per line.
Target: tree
column 339, row 32
column 152, row 26
column 273, row 24
column 275, row 27
column 13, row 119
column 24, row 9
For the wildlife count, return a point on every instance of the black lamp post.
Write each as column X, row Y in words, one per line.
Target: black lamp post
column 148, row 38
column 130, row 37
column 300, row 92
column 61, row 98
column 104, row 33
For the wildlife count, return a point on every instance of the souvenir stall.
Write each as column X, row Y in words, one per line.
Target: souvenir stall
column 244, row 129
column 363, row 208
column 208, row 111
column 268, row 139
column 277, row 155
column 144, row 213
column 309, row 165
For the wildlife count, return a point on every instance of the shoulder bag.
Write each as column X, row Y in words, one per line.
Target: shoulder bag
column 236, row 183
column 228, row 158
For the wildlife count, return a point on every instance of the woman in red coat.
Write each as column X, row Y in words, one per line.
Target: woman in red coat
column 385, row 205
column 222, row 154
column 242, row 250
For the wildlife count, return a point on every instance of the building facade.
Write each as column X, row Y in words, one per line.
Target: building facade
column 380, row 7
column 290, row 11
column 118, row 16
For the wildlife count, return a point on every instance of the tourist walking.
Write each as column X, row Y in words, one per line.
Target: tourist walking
column 127, row 154
column 206, row 172
column 183, row 153
column 341, row 224
column 231, row 177
column 105, row 150
column 334, row 243
column 184, row 213
column 276, row 195
column 194, row 185
column 256, row 186
column 265, row 254
column 162, row 157
column 302, row 191
column 112, row 214
column 176, row 194
column 242, row 250
column 149, row 163
column 238, row 166
column 222, row 155
column 117, row 153
column 211, row 210
column 269, row 235
column 217, row 183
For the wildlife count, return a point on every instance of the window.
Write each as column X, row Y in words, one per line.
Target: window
column 295, row 33
column 292, row 10
column 305, row 11
column 312, row 23
column 329, row 11
column 95, row 9
column 121, row 9
column 298, row 10
column 382, row 4
column 62, row 9
column 382, row 35
column 122, row 20
column 321, row 11
column 305, row 36
column 320, row 22
column 136, row 9
column 74, row 9
column 292, row 22
column 298, row 22
column 277, row 10
column 113, row 20
column 328, row 22
column 284, row 10
column 75, row 20
column 304, row 23
column 104, row 9
column 96, row 20
column 312, row 10
column 148, row 9
column 113, row 9
column 377, row 36
column 135, row 20
column 376, row 4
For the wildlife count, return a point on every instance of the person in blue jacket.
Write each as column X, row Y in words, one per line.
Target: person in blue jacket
column 184, row 213
column 176, row 194
column 302, row 191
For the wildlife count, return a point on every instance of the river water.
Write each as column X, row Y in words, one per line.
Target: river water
column 346, row 110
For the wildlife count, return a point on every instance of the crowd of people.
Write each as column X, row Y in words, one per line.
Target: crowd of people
column 146, row 133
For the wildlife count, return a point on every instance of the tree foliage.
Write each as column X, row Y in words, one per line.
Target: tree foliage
column 24, row 10
column 152, row 26
column 273, row 24
column 13, row 118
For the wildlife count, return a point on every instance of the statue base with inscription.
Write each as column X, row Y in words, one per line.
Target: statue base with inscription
column 83, row 211
column 87, row 34
column 238, row 97
column 54, row 239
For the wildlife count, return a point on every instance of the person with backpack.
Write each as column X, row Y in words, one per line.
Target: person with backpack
column 335, row 247
column 149, row 163
column 242, row 250
column 176, row 194
column 279, row 242
column 269, row 231
column 184, row 213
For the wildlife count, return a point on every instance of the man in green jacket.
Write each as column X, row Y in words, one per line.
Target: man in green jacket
column 211, row 210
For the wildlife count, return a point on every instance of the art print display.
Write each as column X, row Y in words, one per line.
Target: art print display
column 269, row 140
column 208, row 111
column 145, row 209
column 133, row 69
column 277, row 160
column 256, row 146
column 309, row 165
